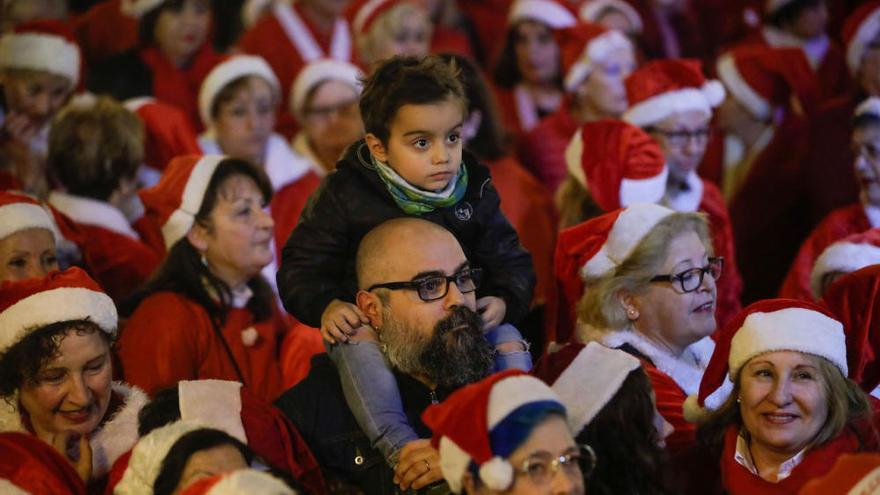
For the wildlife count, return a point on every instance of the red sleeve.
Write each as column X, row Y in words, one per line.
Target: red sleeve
column 670, row 398
column 160, row 344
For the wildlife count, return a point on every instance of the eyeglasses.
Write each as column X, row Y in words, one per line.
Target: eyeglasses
column 691, row 280
column 435, row 287
column 348, row 108
column 682, row 138
column 542, row 467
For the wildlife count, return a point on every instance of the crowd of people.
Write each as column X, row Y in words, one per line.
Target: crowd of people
column 439, row 246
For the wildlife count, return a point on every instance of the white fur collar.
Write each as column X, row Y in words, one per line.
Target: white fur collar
column 281, row 164
column 687, row 201
column 89, row 211
column 115, row 437
column 686, row 370
column 873, row 214
column 526, row 109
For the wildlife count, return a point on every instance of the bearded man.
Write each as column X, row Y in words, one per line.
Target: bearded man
column 419, row 293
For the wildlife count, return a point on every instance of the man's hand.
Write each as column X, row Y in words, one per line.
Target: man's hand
column 83, row 465
column 418, row 466
column 340, row 321
column 492, row 309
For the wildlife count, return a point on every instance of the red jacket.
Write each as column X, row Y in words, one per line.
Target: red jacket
column 542, row 150
column 184, row 346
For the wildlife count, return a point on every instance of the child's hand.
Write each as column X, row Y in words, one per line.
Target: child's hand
column 492, row 309
column 341, row 320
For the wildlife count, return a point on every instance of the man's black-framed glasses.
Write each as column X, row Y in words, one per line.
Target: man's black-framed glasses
column 433, row 287
column 691, row 280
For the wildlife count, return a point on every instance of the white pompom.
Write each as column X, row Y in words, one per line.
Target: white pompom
column 714, row 92
column 692, row 410
column 497, row 473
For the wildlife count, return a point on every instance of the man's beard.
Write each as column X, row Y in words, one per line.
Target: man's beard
column 455, row 354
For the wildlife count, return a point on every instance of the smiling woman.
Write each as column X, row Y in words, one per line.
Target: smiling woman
column 27, row 238
column 56, row 336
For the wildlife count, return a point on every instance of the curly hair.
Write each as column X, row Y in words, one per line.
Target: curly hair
column 22, row 362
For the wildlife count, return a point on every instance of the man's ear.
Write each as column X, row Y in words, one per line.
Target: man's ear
column 198, row 237
column 371, row 306
column 377, row 149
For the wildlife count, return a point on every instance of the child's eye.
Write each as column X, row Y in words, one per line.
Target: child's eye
column 421, row 143
column 454, row 137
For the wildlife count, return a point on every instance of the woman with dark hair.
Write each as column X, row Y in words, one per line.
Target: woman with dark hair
column 56, row 370
column 611, row 407
column 173, row 57
column 528, row 74
column 219, row 317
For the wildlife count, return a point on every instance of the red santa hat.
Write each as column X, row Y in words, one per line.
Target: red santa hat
column 478, row 425
column 147, row 457
column 168, row 132
column 45, row 46
column 852, row 474
column 362, row 14
column 138, row 8
column 554, row 13
column 763, row 78
column 582, row 46
column 859, row 30
column 586, row 378
column 317, row 72
column 28, row 305
column 853, row 299
column 847, row 255
column 231, row 69
column 618, row 163
column 20, row 212
column 178, row 196
column 31, row 466
column 241, row 482
column 766, row 326
column 662, row 88
column 593, row 10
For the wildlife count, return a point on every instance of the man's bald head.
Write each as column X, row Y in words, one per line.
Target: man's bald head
column 393, row 246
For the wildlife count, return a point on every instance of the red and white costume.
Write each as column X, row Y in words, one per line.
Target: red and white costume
column 288, row 41
column 29, row 466
column 168, row 133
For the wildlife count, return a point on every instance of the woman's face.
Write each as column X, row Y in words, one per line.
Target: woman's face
column 683, row 137
column 537, row 54
column 615, row 19
column 236, row 244
column 866, row 148
column 71, row 391
column 332, row 119
column 783, row 401
column 244, row 123
column 547, row 442
column 35, row 94
column 603, row 90
column 179, row 33
column 27, row 254
column 411, row 36
column 664, row 312
column 210, row 462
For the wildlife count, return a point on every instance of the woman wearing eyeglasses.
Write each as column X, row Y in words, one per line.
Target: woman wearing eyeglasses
column 649, row 276
column 508, row 434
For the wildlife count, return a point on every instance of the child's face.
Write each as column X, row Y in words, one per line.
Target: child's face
column 424, row 145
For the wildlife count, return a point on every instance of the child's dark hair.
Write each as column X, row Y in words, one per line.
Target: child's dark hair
column 790, row 12
column 401, row 81
column 189, row 444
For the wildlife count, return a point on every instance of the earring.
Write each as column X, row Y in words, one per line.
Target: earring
column 739, row 399
column 632, row 313
column 204, row 260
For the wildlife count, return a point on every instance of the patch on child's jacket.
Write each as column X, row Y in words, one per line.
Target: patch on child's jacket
column 464, row 211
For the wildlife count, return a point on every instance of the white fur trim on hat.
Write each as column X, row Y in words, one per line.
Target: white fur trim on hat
column 137, row 8
column 41, row 52
column 497, row 473
column 863, row 36
column 179, row 223
column 661, row 106
column 547, row 11
column 509, row 394
column 870, row 106
column 454, row 462
column 592, row 9
column 590, row 381
column 230, row 70
column 22, row 216
column 216, row 403
column 597, row 50
column 650, row 190
column 693, row 412
column 789, row 329
column 54, row 305
column 740, row 89
column 844, row 257
column 147, row 456
column 633, row 224
column 364, row 13
column 318, row 72
column 9, row 488
column 249, row 481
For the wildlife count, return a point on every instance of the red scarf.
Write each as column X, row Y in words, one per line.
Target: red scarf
column 816, row 462
column 180, row 86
